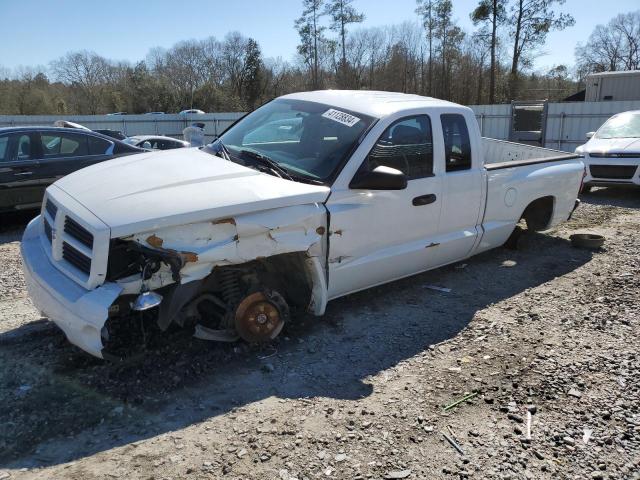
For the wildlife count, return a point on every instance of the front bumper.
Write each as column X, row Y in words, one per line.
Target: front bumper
column 632, row 164
column 80, row 313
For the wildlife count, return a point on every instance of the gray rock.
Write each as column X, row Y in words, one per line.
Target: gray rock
column 398, row 474
column 575, row 393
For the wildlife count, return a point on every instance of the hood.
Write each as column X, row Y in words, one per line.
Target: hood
column 148, row 191
column 611, row 145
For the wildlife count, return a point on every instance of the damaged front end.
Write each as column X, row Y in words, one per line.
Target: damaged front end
column 233, row 278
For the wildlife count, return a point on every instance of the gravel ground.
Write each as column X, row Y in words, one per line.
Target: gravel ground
column 547, row 332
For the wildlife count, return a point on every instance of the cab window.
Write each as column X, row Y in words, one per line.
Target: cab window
column 407, row 145
column 64, row 145
column 457, row 145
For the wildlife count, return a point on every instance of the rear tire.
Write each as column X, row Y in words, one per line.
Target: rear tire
column 513, row 242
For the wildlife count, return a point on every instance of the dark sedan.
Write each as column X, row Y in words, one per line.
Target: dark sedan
column 32, row 158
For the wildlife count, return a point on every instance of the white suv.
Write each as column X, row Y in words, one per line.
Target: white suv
column 612, row 154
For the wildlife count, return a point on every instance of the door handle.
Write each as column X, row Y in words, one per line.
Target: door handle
column 424, row 200
column 23, row 174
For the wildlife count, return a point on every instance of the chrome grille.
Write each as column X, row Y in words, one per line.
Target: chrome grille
column 78, row 232
column 76, row 258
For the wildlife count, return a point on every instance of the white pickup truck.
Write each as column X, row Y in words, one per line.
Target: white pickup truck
column 311, row 197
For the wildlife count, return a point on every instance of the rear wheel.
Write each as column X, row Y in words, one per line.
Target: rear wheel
column 514, row 239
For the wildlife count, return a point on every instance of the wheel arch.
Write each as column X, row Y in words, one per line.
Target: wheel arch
column 538, row 214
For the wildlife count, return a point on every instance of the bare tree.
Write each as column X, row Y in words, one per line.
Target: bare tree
column 615, row 46
column 85, row 71
column 232, row 75
column 531, row 21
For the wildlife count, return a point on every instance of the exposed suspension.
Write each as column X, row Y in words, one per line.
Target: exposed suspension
column 230, row 285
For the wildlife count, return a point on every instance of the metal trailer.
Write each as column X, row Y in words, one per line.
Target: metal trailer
column 613, row 86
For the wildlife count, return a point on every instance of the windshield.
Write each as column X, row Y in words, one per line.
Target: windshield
column 307, row 139
column 625, row 125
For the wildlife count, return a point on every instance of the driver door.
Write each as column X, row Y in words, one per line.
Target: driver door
column 380, row 235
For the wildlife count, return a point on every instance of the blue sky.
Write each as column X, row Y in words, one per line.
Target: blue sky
column 34, row 32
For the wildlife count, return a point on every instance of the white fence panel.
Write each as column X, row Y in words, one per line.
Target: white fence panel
column 568, row 123
column 168, row 124
column 493, row 120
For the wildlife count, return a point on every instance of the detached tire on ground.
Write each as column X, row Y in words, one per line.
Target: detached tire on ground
column 586, row 240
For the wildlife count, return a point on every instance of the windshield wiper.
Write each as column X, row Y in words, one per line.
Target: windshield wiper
column 268, row 162
column 218, row 147
column 222, row 149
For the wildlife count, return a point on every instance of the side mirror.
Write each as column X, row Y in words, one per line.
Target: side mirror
column 590, row 134
column 380, row 178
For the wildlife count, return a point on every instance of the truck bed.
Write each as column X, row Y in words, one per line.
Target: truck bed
column 520, row 175
column 502, row 154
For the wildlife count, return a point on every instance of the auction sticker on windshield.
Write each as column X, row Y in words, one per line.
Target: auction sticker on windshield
column 341, row 117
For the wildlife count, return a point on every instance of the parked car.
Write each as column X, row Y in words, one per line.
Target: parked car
column 233, row 238
column 156, row 142
column 117, row 134
column 117, row 113
column 612, row 154
column 154, row 113
column 192, row 111
column 31, row 158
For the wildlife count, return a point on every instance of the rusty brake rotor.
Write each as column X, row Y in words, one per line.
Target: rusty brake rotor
column 259, row 317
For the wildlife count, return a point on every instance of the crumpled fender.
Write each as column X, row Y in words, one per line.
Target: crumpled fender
column 241, row 239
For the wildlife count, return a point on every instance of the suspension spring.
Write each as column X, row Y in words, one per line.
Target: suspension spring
column 230, row 284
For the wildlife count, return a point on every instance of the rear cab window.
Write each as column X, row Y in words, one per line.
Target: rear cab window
column 457, row 143
column 406, row 145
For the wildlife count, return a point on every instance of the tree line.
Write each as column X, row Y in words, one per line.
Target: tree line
column 433, row 56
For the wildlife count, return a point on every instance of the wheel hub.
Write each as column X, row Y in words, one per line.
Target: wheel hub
column 258, row 318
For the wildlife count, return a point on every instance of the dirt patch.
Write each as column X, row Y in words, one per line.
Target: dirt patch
column 359, row 393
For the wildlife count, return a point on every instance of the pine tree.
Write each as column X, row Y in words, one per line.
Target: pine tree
column 342, row 14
